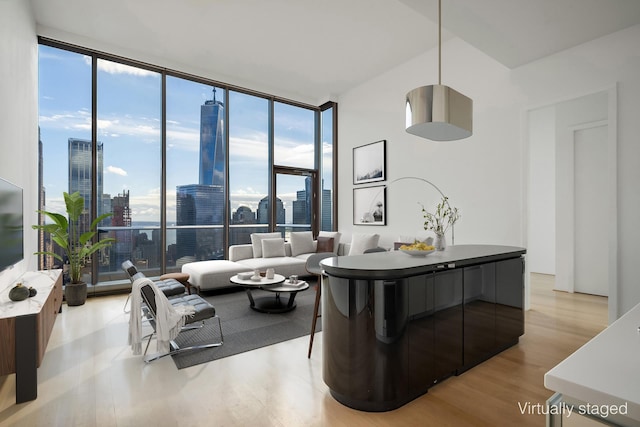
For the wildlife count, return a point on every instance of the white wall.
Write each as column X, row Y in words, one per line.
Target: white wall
column 19, row 117
column 481, row 175
column 542, row 194
column 484, row 175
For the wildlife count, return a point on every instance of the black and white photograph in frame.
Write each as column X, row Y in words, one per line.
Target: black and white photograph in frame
column 369, row 162
column 370, row 205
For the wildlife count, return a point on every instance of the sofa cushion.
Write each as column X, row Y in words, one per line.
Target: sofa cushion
column 212, row 274
column 336, row 238
column 362, row 242
column 282, row 265
column 272, row 248
column 325, row 244
column 256, row 242
column 301, row 243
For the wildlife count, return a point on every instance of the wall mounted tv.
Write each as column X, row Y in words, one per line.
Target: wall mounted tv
column 11, row 225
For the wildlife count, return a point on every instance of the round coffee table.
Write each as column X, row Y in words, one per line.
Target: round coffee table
column 276, row 285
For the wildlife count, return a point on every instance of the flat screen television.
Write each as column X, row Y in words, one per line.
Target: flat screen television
column 11, row 225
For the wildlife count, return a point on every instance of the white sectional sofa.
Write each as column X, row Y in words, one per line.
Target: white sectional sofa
column 267, row 250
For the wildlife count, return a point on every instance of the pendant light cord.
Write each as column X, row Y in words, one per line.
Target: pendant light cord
column 439, row 42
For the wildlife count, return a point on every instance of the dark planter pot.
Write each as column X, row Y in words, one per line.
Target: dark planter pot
column 75, row 293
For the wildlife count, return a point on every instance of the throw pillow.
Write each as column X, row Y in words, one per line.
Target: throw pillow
column 336, row 239
column 325, row 244
column 362, row 242
column 256, row 242
column 301, row 242
column 272, row 248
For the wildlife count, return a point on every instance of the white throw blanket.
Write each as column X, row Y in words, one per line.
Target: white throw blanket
column 169, row 319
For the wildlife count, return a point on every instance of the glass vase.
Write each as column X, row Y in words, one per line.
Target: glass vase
column 440, row 242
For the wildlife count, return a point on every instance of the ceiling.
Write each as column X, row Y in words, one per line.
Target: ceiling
column 314, row 50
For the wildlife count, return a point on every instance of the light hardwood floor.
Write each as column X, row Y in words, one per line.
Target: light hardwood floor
column 90, row 378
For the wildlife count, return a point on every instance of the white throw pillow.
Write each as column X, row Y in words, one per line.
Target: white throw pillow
column 362, row 242
column 256, row 242
column 336, row 238
column 301, row 243
column 272, row 248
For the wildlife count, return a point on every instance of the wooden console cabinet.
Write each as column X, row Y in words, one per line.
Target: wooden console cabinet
column 395, row 325
column 25, row 327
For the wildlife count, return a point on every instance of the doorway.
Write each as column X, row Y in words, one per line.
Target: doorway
column 296, row 200
column 571, row 194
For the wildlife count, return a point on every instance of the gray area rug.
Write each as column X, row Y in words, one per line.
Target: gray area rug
column 245, row 329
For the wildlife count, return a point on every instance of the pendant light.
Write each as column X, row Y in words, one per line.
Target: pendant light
column 437, row 112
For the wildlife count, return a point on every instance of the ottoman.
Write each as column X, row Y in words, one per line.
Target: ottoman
column 213, row 274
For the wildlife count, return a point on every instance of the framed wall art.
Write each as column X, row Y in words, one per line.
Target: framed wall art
column 370, row 205
column 370, row 162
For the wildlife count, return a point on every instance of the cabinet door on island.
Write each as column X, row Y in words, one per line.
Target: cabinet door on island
column 493, row 308
column 435, row 329
column 447, row 289
column 509, row 302
column 479, row 313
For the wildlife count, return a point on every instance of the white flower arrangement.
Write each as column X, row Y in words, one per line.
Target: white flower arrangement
column 443, row 218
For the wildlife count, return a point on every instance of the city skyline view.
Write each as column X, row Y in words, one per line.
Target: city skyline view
column 129, row 124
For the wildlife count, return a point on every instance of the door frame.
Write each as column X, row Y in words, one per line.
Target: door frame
column 285, row 170
column 611, row 229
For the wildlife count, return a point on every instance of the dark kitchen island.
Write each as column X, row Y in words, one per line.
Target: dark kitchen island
column 394, row 324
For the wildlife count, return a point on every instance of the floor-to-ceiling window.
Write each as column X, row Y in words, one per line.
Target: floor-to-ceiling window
column 326, row 154
column 186, row 166
column 249, row 166
column 128, row 111
column 294, row 137
column 195, row 171
column 65, row 134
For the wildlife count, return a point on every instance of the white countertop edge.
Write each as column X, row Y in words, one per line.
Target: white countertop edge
column 606, row 370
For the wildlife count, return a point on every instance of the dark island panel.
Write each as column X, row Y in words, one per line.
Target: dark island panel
column 386, row 341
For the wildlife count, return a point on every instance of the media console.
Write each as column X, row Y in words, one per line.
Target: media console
column 25, row 327
column 394, row 325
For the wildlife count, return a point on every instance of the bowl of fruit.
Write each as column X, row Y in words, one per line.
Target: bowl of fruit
column 417, row 249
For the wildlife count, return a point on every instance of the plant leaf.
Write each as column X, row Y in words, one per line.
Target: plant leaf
column 75, row 205
column 96, row 221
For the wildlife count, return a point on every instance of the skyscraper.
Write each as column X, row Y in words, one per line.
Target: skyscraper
column 203, row 203
column 80, row 176
column 263, row 211
column 302, row 204
column 326, row 213
column 243, row 215
column 212, row 144
column 121, row 250
column 198, row 204
column 301, row 208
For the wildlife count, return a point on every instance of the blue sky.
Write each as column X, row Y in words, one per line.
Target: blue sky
column 129, row 123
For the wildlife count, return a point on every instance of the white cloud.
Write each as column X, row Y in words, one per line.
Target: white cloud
column 54, row 118
column 116, row 170
column 117, row 68
column 106, row 124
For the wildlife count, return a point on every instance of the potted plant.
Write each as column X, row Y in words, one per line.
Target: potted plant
column 440, row 221
column 77, row 246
